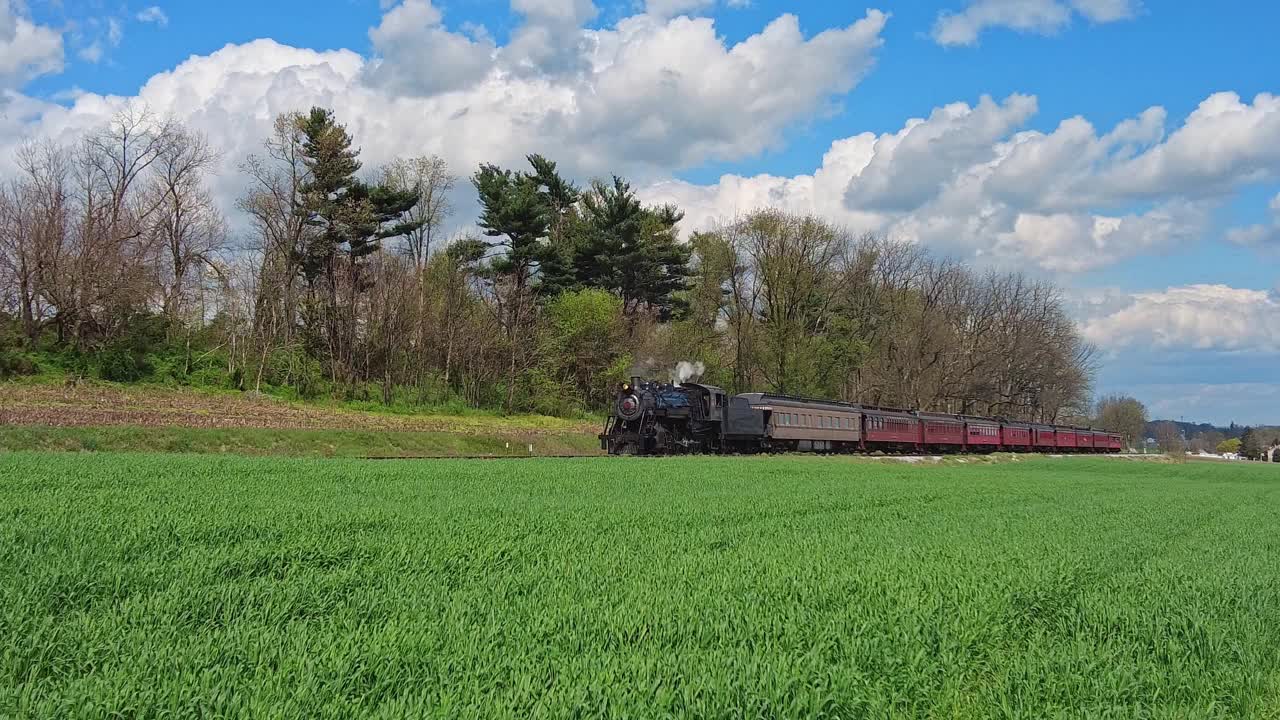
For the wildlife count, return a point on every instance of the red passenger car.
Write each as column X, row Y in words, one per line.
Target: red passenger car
column 890, row 430
column 1066, row 438
column 982, row 435
column 942, row 431
column 1043, row 438
column 1084, row 439
column 1015, row 437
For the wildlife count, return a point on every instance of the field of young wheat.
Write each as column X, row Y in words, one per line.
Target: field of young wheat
column 188, row 586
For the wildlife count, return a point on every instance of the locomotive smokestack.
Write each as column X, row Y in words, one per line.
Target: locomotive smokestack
column 635, row 381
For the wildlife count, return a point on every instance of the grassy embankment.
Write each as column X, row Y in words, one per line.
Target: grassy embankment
column 150, row 585
column 107, row 417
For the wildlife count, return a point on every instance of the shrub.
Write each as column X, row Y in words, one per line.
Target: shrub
column 15, row 364
column 122, row 365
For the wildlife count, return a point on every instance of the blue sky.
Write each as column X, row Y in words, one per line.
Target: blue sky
column 1165, row 237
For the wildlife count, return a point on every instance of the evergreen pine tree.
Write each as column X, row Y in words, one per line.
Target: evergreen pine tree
column 514, row 212
column 1250, row 446
column 632, row 250
column 349, row 219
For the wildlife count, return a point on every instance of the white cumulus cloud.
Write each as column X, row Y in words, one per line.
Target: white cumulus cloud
column 651, row 97
column 970, row 180
column 27, row 50
column 1194, row 317
column 419, row 57
column 1038, row 16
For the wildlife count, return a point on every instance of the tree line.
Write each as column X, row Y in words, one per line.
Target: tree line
column 341, row 280
column 1128, row 416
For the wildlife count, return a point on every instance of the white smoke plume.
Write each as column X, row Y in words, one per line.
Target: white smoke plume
column 686, row 371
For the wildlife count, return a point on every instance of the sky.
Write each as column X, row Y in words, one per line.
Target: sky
column 1128, row 150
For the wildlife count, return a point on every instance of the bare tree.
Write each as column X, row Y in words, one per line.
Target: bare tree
column 188, row 224
column 1170, row 438
column 273, row 204
column 38, row 241
column 430, row 177
column 111, row 250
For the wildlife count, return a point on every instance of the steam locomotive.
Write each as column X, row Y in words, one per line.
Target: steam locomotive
column 654, row 418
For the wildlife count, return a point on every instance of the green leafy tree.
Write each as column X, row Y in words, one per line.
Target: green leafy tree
column 1123, row 414
column 1229, row 447
column 584, row 341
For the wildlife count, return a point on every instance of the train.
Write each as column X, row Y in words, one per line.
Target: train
column 656, row 418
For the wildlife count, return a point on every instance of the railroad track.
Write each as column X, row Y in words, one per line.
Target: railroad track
column 480, row 457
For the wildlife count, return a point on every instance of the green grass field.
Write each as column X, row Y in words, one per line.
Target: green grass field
column 209, row 586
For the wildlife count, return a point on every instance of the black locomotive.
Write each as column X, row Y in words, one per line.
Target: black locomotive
column 654, row 418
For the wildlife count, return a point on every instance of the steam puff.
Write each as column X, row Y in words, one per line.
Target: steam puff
column 686, row 371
